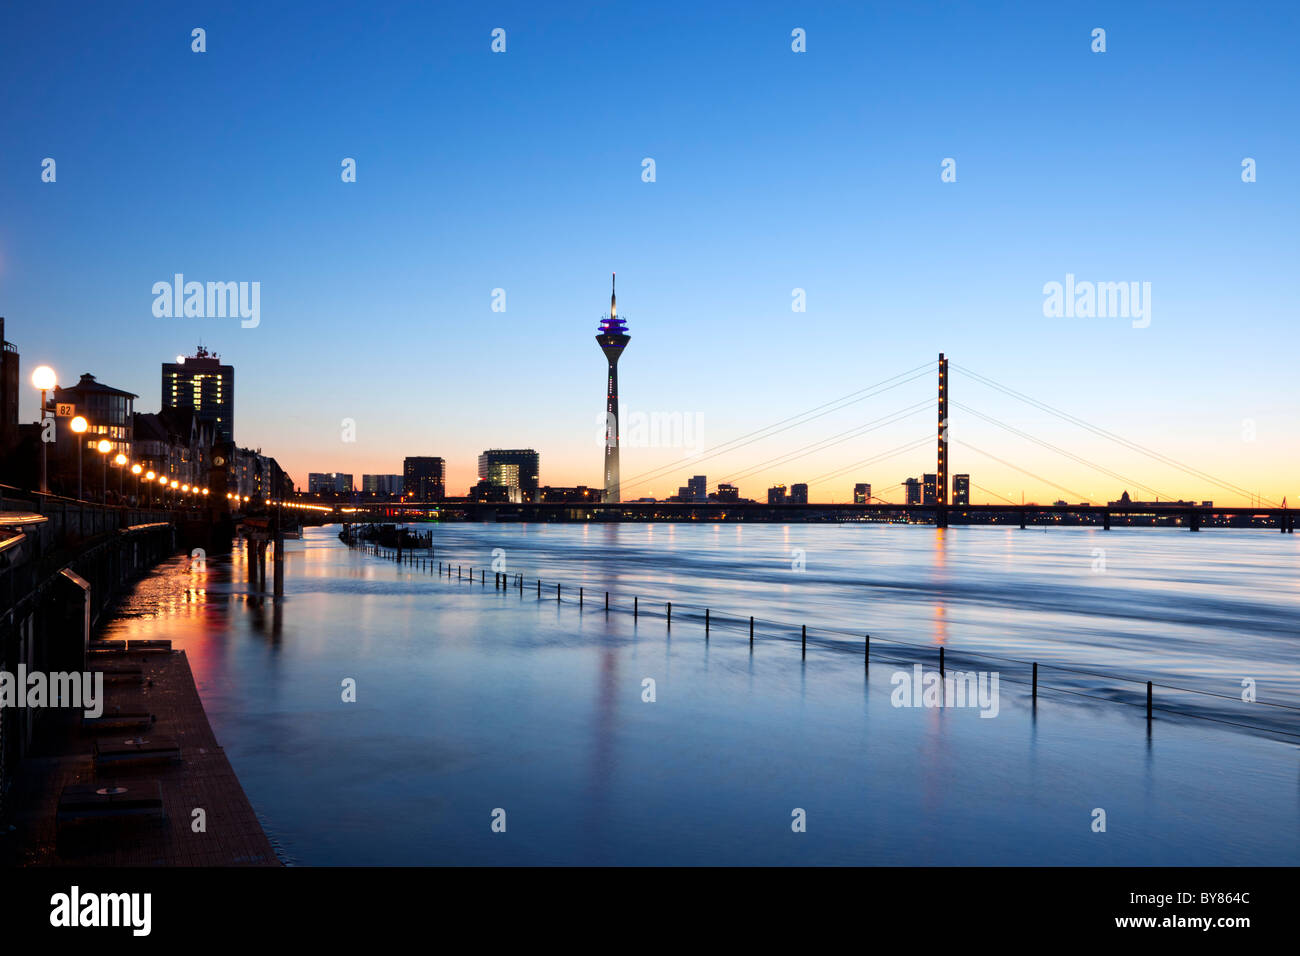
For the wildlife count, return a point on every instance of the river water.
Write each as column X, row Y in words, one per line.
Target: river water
column 475, row 704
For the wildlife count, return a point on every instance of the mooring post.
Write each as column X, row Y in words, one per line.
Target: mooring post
column 706, row 622
column 1035, row 680
column 803, row 640
column 751, row 632
column 557, row 594
column 606, row 600
column 539, row 589
column 670, row 613
column 579, row 597
column 866, row 654
column 635, row 601
column 941, row 660
column 1148, row 700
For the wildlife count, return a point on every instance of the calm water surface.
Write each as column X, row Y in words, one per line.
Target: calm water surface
column 471, row 699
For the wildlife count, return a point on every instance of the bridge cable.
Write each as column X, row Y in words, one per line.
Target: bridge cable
column 1097, row 430
column 774, row 428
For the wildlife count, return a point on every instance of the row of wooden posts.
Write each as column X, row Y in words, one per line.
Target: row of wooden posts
column 502, row 583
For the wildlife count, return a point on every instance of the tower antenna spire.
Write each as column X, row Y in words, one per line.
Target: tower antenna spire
column 613, row 298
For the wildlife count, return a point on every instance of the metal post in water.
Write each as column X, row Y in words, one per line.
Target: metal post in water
column 670, row 613
column 579, row 597
column 803, row 640
column 706, row 622
column 1148, row 700
column 866, row 654
column 1035, row 680
column 751, row 631
column 635, row 600
column 941, row 660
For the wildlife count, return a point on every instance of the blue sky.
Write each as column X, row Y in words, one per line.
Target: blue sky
column 775, row 170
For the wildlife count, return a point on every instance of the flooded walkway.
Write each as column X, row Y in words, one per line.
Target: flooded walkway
column 202, row 779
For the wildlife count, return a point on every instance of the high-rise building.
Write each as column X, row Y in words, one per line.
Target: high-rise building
column 911, row 491
column 776, row 495
column 698, row 488
column 961, row 489
column 612, row 338
column 424, row 478
column 798, row 494
column 861, row 493
column 928, row 493
column 381, row 484
column 8, row 391
column 330, row 482
column 512, row 468
column 201, row 383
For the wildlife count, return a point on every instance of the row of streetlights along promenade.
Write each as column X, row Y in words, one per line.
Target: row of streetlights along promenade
column 45, row 380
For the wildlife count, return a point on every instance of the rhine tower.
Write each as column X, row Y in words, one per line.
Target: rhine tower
column 612, row 338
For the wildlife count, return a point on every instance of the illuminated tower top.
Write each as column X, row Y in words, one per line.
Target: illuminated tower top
column 611, row 325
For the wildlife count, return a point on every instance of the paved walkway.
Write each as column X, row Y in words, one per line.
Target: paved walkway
column 202, row 778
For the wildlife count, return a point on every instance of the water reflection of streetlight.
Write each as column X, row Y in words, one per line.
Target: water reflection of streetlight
column 79, row 426
column 43, row 378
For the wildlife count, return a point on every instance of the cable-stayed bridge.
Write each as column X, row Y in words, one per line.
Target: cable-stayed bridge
column 937, row 500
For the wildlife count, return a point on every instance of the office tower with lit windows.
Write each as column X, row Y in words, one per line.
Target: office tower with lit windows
column 381, row 484
column 929, row 484
column 332, row 482
column 512, row 468
column 961, row 489
column 202, row 384
column 612, row 338
column 424, row 478
column 861, row 493
column 8, row 391
column 798, row 494
column 911, row 491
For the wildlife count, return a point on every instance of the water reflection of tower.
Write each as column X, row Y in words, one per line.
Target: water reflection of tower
column 612, row 338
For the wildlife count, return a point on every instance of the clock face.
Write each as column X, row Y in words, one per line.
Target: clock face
column 218, row 460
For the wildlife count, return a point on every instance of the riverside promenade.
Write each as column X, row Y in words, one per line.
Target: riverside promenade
column 201, row 778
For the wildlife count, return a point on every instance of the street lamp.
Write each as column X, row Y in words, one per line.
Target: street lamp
column 79, row 426
column 43, row 378
column 119, row 459
column 104, row 447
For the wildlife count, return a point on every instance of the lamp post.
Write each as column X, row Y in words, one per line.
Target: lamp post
column 79, row 426
column 104, row 447
column 136, row 470
column 120, row 459
column 43, row 378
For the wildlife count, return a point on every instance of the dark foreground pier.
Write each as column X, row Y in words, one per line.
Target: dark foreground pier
column 63, row 779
